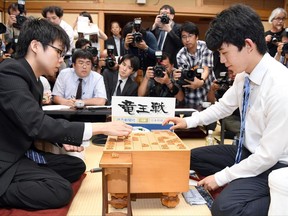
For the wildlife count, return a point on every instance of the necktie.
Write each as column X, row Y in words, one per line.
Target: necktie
column 161, row 40
column 119, row 91
column 35, row 156
column 79, row 89
column 244, row 109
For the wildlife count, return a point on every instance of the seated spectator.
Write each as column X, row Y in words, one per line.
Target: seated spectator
column 161, row 84
column 83, row 43
column 66, row 86
column 120, row 83
column 116, row 39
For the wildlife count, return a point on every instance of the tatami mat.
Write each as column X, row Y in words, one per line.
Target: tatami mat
column 88, row 201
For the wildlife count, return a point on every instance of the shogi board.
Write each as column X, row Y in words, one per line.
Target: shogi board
column 160, row 162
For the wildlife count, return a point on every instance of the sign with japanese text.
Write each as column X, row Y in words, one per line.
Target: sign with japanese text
column 146, row 112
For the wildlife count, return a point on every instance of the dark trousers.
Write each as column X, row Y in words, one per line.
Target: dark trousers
column 43, row 186
column 243, row 196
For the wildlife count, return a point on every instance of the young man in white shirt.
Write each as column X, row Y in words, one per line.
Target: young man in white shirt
column 238, row 34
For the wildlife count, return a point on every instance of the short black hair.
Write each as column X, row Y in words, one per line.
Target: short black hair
column 82, row 53
column 233, row 25
column 134, row 60
column 53, row 9
column 165, row 56
column 172, row 11
column 43, row 31
column 14, row 7
column 190, row 27
column 82, row 42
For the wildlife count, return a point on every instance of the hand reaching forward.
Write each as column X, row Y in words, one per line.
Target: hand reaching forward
column 178, row 123
column 111, row 128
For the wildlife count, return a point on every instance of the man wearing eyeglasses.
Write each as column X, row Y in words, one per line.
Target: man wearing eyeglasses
column 29, row 178
column 167, row 32
column 93, row 88
column 273, row 36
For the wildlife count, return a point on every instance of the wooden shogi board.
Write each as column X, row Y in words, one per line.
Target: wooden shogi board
column 160, row 162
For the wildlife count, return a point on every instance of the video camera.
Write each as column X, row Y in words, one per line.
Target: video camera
column 137, row 34
column 158, row 68
column 164, row 19
column 110, row 59
column 189, row 74
column 20, row 18
column 224, row 83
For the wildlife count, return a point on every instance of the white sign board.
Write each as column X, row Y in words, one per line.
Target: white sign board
column 148, row 112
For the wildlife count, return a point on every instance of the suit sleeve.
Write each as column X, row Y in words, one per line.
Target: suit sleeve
column 24, row 111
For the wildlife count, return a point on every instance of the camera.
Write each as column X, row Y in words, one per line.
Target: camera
column 224, row 83
column 190, row 74
column 137, row 26
column 284, row 49
column 20, row 18
column 275, row 38
column 110, row 60
column 158, row 68
column 164, row 19
column 92, row 50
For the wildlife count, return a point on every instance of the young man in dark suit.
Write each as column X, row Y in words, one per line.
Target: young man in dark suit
column 43, row 181
column 120, row 83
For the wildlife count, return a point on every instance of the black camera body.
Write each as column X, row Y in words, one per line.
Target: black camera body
column 224, row 83
column 110, row 60
column 275, row 38
column 20, row 18
column 284, row 49
column 137, row 34
column 158, row 68
column 164, row 19
column 190, row 74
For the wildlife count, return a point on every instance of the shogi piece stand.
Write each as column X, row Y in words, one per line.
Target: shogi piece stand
column 115, row 164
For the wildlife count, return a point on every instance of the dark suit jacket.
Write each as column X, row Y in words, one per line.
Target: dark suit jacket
column 172, row 43
column 111, row 79
column 22, row 120
column 111, row 41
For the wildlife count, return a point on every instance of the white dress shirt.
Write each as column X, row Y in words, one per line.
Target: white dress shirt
column 266, row 132
column 70, row 32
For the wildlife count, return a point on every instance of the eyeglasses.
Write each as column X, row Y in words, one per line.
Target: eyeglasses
column 82, row 63
column 184, row 37
column 280, row 19
column 60, row 52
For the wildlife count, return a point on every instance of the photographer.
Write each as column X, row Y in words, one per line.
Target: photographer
column 273, row 36
column 167, row 32
column 17, row 16
column 282, row 49
column 158, row 80
column 196, row 62
column 140, row 43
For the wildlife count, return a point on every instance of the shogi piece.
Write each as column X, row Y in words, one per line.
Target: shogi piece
column 160, row 164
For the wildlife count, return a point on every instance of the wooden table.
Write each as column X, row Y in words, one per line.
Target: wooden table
column 160, row 164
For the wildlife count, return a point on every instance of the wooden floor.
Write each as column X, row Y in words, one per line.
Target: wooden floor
column 88, row 201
